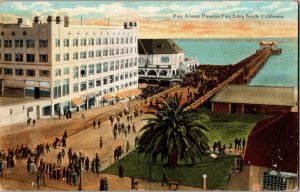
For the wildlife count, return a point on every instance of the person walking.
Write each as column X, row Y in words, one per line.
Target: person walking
column 47, row 148
column 59, row 158
column 101, row 142
column 87, row 164
column 63, row 153
column 121, row 171
column 99, row 123
column 243, row 143
column 165, row 178
column 97, row 163
column 94, row 124
column 127, row 146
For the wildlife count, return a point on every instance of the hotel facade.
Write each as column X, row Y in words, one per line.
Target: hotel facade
column 68, row 67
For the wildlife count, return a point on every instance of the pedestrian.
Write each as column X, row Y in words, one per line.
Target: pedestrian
column 97, row 164
column 94, row 124
column 214, row 146
column 235, row 142
column 121, row 171
column 47, row 148
column 44, row 178
column 63, row 153
column 243, row 143
column 99, row 123
column 127, row 146
column 28, row 121
column 101, row 142
column 38, row 179
column 59, row 158
column 33, row 122
column 74, row 175
column 133, row 128
column 1, row 166
column 93, row 165
column 87, row 164
column 165, row 178
column 82, row 116
column 224, row 148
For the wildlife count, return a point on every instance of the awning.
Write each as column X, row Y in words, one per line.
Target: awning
column 134, row 92
column 142, row 85
column 121, row 95
column 107, row 97
column 77, row 101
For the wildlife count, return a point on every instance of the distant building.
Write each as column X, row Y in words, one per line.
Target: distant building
column 162, row 61
column 254, row 99
column 272, row 45
column 72, row 67
column 272, row 154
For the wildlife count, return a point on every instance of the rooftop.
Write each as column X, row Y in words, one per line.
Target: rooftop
column 273, row 143
column 261, row 95
column 158, row 46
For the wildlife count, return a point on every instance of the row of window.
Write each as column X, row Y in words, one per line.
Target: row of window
column 21, row 43
column 95, row 41
column 62, row 90
column 19, row 57
column 97, row 68
column 97, row 53
column 20, row 72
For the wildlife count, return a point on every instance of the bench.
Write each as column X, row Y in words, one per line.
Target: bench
column 173, row 182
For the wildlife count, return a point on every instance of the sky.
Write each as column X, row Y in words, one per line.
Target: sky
column 171, row 19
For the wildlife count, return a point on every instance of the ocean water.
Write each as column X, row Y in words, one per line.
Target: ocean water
column 279, row 70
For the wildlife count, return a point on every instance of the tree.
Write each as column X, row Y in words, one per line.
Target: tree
column 173, row 133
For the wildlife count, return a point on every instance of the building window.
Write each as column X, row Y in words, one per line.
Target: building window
column 7, row 43
column 44, row 73
column 122, row 51
column 19, row 57
column 57, row 42
column 131, row 62
column 111, row 52
column 126, row 75
column 19, row 43
column 135, row 61
column 121, row 77
column 111, row 41
column 105, row 52
column 117, row 78
column 117, row 51
column 19, row 72
column 57, row 57
column 126, row 50
column 105, row 67
column 105, row 41
column 66, row 57
column 98, row 53
column 91, row 54
column 164, row 59
column 91, row 84
column 83, row 86
column 75, row 87
column 8, row 71
column 130, row 41
column 126, row 63
column 83, row 55
column 30, row 43
column 66, row 87
column 75, row 42
column 122, row 64
column 122, row 40
column 105, row 80
column 117, row 40
column 66, row 71
column 98, row 41
column 66, row 42
column 98, row 82
column 57, row 72
column 43, row 58
column 126, row 40
column 75, row 56
column 83, row 70
column 274, row 182
column 91, row 69
column 91, row 41
column 30, row 72
column 83, row 42
column 111, row 79
column 57, row 89
column 111, row 66
column 98, row 68
column 117, row 65
column 43, row 43
column 7, row 57
column 30, row 57
column 75, row 72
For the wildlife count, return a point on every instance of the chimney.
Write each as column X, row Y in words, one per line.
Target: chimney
column 57, row 19
column 66, row 21
column 125, row 25
column 36, row 19
column 20, row 20
column 50, row 18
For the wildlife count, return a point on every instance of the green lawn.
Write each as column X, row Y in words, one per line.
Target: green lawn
column 138, row 167
column 222, row 127
column 226, row 127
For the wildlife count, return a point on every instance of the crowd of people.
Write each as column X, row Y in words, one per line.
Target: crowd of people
column 151, row 90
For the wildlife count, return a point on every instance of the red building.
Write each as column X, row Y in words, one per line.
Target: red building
column 272, row 153
column 254, row 99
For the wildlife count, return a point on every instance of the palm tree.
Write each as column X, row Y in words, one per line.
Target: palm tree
column 172, row 133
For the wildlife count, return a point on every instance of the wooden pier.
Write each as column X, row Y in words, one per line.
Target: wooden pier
column 249, row 67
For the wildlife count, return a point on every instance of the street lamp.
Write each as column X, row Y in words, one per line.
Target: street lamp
column 204, row 181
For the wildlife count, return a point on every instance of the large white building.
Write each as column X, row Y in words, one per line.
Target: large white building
column 162, row 61
column 69, row 67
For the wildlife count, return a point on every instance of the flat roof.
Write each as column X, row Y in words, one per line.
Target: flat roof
column 261, row 95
